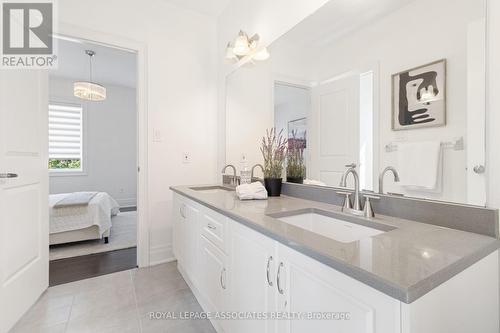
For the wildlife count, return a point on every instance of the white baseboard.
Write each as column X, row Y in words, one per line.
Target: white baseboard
column 161, row 254
column 127, row 202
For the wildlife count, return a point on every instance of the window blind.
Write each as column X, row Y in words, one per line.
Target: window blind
column 65, row 132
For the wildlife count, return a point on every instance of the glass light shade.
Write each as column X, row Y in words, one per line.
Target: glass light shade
column 262, row 54
column 241, row 47
column 230, row 53
column 89, row 91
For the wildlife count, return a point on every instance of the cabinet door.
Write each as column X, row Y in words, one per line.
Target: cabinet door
column 178, row 229
column 311, row 288
column 214, row 281
column 191, row 232
column 253, row 285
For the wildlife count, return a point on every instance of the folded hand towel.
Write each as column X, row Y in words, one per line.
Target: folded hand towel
column 419, row 164
column 253, row 191
column 313, row 182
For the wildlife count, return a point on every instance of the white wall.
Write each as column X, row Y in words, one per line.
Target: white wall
column 110, row 163
column 181, row 95
column 251, row 100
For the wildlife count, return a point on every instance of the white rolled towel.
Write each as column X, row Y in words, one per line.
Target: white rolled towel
column 313, row 182
column 253, row 191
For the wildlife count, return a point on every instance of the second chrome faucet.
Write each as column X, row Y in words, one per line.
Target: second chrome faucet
column 356, row 208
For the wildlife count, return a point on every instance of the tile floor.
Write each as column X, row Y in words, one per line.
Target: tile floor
column 118, row 302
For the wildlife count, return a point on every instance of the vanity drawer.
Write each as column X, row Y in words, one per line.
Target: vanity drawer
column 213, row 227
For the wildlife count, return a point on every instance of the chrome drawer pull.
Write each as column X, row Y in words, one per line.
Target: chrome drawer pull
column 268, row 273
column 222, row 283
column 181, row 210
column 211, row 226
column 8, row 175
column 278, row 279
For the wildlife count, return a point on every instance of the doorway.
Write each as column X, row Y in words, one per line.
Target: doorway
column 93, row 160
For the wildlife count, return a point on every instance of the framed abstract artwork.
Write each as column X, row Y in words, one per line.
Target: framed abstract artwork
column 419, row 97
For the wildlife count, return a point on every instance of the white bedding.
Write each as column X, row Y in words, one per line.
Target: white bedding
column 98, row 213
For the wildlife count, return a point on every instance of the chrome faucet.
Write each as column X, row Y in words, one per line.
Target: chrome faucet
column 255, row 166
column 381, row 178
column 356, row 209
column 233, row 180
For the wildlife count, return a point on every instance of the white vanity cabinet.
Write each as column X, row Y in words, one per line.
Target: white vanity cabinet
column 311, row 288
column 234, row 269
column 186, row 235
column 213, row 281
column 253, row 278
column 272, row 278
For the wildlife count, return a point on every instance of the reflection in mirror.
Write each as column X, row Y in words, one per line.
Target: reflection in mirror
column 374, row 84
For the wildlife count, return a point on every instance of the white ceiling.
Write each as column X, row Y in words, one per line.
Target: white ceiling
column 337, row 19
column 208, row 7
column 109, row 65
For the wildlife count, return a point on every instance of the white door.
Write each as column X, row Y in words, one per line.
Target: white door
column 335, row 120
column 476, row 113
column 24, row 228
column 253, row 283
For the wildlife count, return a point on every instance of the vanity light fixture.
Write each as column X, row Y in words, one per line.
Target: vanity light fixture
column 243, row 46
column 89, row 90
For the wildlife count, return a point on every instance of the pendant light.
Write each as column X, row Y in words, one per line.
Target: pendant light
column 89, row 90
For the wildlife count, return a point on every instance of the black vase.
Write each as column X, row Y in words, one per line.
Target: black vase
column 273, row 186
column 296, row 180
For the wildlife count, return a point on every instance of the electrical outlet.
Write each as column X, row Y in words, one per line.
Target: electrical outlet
column 186, row 158
column 157, row 136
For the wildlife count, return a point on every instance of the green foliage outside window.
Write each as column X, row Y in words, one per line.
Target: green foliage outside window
column 55, row 164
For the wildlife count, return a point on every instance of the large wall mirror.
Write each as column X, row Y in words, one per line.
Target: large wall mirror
column 375, row 84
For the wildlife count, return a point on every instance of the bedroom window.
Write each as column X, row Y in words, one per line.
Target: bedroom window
column 65, row 138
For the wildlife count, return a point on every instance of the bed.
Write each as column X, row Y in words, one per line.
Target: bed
column 81, row 222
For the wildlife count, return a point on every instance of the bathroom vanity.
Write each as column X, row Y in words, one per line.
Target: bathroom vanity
column 293, row 257
column 377, row 88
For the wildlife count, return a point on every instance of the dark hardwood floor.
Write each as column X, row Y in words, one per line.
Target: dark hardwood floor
column 128, row 209
column 84, row 267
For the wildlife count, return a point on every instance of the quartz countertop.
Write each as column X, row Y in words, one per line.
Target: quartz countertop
column 404, row 263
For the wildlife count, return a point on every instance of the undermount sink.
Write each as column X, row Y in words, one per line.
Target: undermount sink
column 330, row 224
column 211, row 189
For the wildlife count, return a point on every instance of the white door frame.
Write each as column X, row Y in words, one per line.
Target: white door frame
column 143, row 208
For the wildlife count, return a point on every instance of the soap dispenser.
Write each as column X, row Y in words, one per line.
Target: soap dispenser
column 245, row 173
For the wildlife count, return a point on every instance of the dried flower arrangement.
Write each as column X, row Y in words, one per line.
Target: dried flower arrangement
column 273, row 151
column 295, row 169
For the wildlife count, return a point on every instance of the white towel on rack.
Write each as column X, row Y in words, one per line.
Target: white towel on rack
column 253, row 191
column 419, row 165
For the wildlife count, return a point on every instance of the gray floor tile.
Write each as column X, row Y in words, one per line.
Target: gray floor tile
column 119, row 302
column 37, row 328
column 107, row 321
